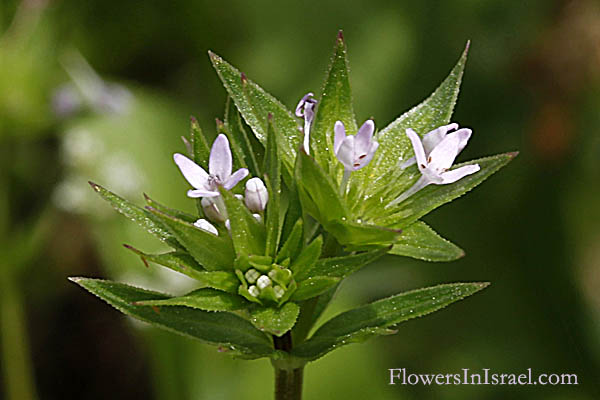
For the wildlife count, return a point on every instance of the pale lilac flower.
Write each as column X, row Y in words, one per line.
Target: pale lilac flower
column 219, row 170
column 354, row 151
column 435, row 167
column 257, row 195
column 213, row 209
column 432, row 139
column 206, row 226
column 306, row 109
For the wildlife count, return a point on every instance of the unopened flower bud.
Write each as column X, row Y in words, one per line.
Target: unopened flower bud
column 263, row 282
column 251, row 275
column 253, row 290
column 279, row 291
column 211, row 210
column 256, row 195
column 206, row 226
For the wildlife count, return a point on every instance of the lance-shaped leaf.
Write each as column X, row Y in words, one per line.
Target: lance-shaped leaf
column 239, row 139
column 422, row 242
column 201, row 299
column 272, row 170
column 200, row 147
column 170, row 211
column 293, row 245
column 211, row 251
column 138, row 215
column 435, row 111
column 376, row 318
column 334, row 105
column 247, row 234
column 433, row 196
column 313, row 286
column 183, row 263
column 341, row 267
column 274, row 320
column 228, row 331
column 307, row 258
column 255, row 104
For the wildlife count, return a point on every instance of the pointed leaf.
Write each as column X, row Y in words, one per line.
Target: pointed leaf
column 374, row 319
column 334, row 105
column 293, row 245
column 240, row 140
column 313, row 286
column 211, row 251
column 202, row 299
column 228, row 331
column 307, row 258
column 273, row 181
column 273, row 320
column 200, row 146
column 422, row 242
column 185, row 264
column 341, row 267
column 255, row 104
column 435, row 111
column 170, row 211
column 138, row 215
column 247, row 234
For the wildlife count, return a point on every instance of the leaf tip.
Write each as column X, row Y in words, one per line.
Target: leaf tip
column 212, row 55
column 243, row 78
column 340, row 35
column 75, row 279
column 467, row 46
column 513, row 154
column 95, row 186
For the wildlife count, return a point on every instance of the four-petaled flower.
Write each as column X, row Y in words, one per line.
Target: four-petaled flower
column 354, row 151
column 219, row 170
column 435, row 165
column 306, row 109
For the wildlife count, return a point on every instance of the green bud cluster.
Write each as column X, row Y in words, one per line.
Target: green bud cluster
column 263, row 281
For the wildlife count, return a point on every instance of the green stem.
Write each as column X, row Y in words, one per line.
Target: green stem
column 344, row 184
column 288, row 382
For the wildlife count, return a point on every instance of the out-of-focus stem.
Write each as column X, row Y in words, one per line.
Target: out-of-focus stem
column 288, row 382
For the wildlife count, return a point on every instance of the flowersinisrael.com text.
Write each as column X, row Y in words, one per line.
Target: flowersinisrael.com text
column 482, row 377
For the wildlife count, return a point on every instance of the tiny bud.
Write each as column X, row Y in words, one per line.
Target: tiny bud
column 252, row 275
column 263, row 282
column 206, row 226
column 253, row 290
column 279, row 291
column 256, row 195
column 257, row 217
column 209, row 206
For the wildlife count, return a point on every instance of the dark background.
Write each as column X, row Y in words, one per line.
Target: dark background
column 531, row 84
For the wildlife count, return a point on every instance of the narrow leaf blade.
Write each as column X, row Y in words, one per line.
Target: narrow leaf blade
column 201, row 299
column 247, row 234
column 421, row 242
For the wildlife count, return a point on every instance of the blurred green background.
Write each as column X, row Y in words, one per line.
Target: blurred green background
column 102, row 90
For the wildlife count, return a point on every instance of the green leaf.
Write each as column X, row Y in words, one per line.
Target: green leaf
column 247, row 234
column 138, row 215
column 334, row 105
column 433, row 196
column 313, row 286
column 372, row 319
column 201, row 299
column 341, row 267
column 185, row 264
column 422, row 242
column 273, row 320
column 394, row 145
column 200, row 147
column 255, row 104
column 240, row 140
column 307, row 258
column 170, row 211
column 293, row 245
column 211, row 251
column 361, row 236
column 273, row 181
column 228, row 331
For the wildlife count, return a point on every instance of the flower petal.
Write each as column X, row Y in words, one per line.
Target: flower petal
column 235, row 178
column 340, row 135
column 433, row 138
column 193, row 173
column 345, row 152
column 220, row 162
column 442, row 157
column 459, row 173
column 300, row 107
column 417, row 147
column 364, row 137
column 201, row 193
column 463, row 135
column 420, row 184
column 365, row 161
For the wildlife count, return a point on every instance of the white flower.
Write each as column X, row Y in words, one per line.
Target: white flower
column 219, row 168
column 257, row 195
column 354, row 151
column 212, row 209
column 435, row 166
column 306, row 109
column 206, row 226
column 432, row 139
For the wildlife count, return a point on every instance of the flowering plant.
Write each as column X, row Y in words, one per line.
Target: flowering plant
column 323, row 200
